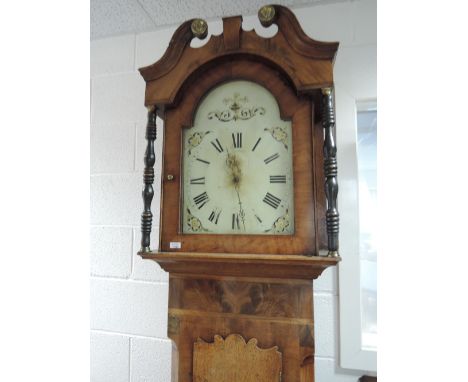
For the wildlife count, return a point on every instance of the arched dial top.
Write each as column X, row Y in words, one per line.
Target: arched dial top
column 237, row 164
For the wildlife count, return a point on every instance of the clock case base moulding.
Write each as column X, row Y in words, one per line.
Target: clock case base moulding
column 243, row 265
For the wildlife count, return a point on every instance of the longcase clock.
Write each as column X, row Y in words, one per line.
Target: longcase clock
column 248, row 215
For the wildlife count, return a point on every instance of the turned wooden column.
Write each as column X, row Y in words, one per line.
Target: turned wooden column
column 331, row 170
column 148, row 179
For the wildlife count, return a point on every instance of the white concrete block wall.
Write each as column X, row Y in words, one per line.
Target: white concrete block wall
column 150, row 359
column 112, row 350
column 129, row 295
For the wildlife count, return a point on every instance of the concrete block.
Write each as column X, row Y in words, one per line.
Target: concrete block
column 111, row 251
column 327, row 281
column 150, row 360
column 118, row 99
column 325, row 312
column 116, row 199
column 129, row 307
column 112, row 148
column 110, row 358
column 112, row 55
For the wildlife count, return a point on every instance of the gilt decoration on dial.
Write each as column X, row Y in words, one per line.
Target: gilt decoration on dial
column 237, row 165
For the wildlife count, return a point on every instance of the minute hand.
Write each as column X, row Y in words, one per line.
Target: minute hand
column 236, row 174
column 241, row 210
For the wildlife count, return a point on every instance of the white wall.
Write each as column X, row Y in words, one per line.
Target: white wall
column 129, row 295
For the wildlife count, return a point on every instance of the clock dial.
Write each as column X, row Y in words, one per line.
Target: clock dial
column 237, row 165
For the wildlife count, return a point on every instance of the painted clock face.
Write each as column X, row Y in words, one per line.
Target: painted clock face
column 237, row 165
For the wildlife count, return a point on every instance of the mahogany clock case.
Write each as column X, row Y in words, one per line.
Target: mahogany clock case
column 230, row 293
column 309, row 197
column 295, row 69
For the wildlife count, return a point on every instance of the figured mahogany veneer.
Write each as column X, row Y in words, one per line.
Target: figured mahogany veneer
column 275, row 312
column 266, row 297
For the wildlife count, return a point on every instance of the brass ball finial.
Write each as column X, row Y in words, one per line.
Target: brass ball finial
column 266, row 15
column 199, row 28
column 326, row 91
column 333, row 254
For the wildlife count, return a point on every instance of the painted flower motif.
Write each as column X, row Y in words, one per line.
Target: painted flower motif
column 194, row 223
column 279, row 135
column 195, row 139
column 280, row 224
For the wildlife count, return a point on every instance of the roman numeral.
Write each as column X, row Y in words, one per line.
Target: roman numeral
column 277, row 178
column 237, row 140
column 201, row 200
column 256, row 144
column 197, row 181
column 217, row 145
column 235, row 221
column 271, row 158
column 214, row 216
column 271, row 200
column 203, row 161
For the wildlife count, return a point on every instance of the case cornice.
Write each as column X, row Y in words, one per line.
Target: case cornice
column 307, row 62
